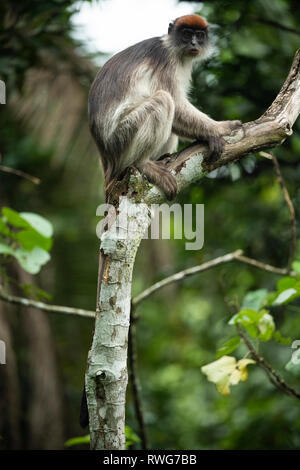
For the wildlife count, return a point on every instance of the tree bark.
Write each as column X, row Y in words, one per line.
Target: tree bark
column 106, row 375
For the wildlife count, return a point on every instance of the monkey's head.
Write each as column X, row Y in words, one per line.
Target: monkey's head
column 189, row 35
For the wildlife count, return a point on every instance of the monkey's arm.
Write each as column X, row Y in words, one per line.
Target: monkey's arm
column 190, row 123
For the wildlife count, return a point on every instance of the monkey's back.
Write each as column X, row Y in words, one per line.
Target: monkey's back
column 119, row 85
column 114, row 80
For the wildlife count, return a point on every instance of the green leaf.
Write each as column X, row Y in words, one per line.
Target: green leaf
column 29, row 239
column 286, row 296
column 234, row 171
column 131, row 437
column 3, row 228
column 277, row 336
column 228, row 347
column 6, row 250
column 245, row 315
column 271, row 297
column 13, row 218
column 293, row 365
column 38, row 230
column 296, row 266
column 258, row 324
column 74, row 441
column 286, row 283
column 32, row 261
column 30, row 290
column 254, row 300
column 266, row 326
column 39, row 223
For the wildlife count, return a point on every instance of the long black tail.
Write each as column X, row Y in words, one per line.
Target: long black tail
column 84, row 412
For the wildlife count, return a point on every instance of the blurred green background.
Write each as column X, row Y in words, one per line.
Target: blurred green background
column 44, row 131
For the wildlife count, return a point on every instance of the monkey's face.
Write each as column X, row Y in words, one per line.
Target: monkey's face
column 191, row 41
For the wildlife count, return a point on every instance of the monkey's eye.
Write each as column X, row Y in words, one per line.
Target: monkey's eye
column 187, row 34
column 200, row 35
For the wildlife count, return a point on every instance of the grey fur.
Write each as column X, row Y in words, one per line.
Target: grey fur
column 138, row 105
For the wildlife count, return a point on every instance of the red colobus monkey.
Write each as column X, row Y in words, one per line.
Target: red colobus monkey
column 138, row 108
column 138, row 104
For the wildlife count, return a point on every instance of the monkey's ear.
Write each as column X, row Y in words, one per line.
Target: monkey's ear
column 171, row 26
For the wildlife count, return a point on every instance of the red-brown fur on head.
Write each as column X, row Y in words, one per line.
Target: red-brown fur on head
column 191, row 21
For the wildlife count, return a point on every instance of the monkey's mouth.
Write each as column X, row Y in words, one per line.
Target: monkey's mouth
column 193, row 51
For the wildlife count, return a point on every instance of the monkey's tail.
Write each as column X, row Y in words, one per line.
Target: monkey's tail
column 109, row 186
column 84, row 412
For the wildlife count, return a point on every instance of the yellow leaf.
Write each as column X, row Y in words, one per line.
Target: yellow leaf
column 226, row 371
column 242, row 365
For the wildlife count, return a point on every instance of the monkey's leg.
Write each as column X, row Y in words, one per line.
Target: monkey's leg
column 169, row 147
column 159, row 175
column 154, row 118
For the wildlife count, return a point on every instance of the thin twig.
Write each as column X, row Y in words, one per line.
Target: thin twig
column 293, row 243
column 185, row 273
column 134, row 380
column 264, row 266
column 272, row 374
column 46, row 307
column 234, row 256
column 22, row 174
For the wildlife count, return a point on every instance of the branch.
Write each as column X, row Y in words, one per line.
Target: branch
column 22, row 174
column 183, row 274
column 234, row 256
column 46, row 307
column 287, row 198
column 274, row 377
column 265, row 267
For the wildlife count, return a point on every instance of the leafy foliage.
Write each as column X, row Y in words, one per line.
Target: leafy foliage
column 26, row 237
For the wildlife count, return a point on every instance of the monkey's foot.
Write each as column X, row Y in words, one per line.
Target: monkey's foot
column 165, row 158
column 159, row 175
column 226, row 127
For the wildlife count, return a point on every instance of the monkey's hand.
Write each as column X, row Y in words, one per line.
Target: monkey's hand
column 216, row 146
column 216, row 142
column 226, row 127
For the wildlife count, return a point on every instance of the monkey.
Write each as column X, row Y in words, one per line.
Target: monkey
column 138, row 108
column 138, row 105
